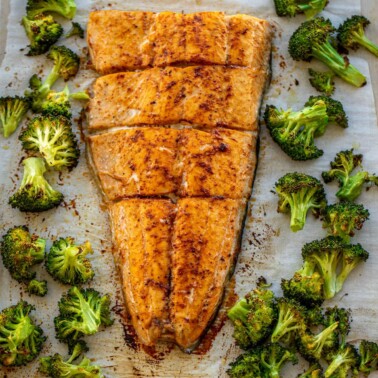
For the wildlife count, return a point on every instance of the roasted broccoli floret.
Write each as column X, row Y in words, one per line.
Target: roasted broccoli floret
column 254, row 316
column 368, row 351
column 66, row 65
column 76, row 29
column 57, row 367
column 82, row 312
column 298, row 193
column 351, row 34
column 341, row 168
column 342, row 219
column 67, row 261
column 20, row 339
column 53, row 138
column 43, row 31
column 341, row 362
column 335, row 110
column 20, row 251
column 37, row 287
column 314, row 371
column 294, row 132
column 291, row 8
column 334, row 260
column 322, row 81
column 313, row 40
column 12, row 112
column 66, row 8
column 35, row 193
column 247, row 365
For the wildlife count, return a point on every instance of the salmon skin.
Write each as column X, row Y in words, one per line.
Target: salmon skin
column 136, row 40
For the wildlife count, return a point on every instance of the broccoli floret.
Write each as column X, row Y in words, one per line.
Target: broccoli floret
column 314, row 371
column 368, row 351
column 335, row 110
column 253, row 317
column 291, row 8
column 342, row 317
column 53, row 138
column 35, row 193
column 273, row 357
column 298, row 193
column 66, row 8
column 56, row 367
column 313, row 40
column 37, row 287
column 334, row 260
column 322, row 81
column 351, row 34
column 341, row 362
column 67, row 261
column 43, row 31
column 20, row 251
column 343, row 218
column 66, row 65
column 20, row 339
column 82, row 312
column 306, row 286
column 12, row 112
column 341, row 168
column 247, row 365
column 294, row 132
column 76, row 29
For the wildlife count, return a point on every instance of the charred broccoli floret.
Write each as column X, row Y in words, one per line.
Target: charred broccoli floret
column 247, row 365
column 66, row 8
column 254, row 316
column 82, row 312
column 20, row 251
column 314, row 371
column 76, row 29
column 37, row 287
column 56, row 367
column 53, row 138
column 313, row 40
column 43, row 31
column 294, row 131
column 335, row 110
column 322, row 81
column 350, row 185
column 368, row 351
column 298, row 193
column 291, row 8
column 351, row 34
column 35, row 194
column 342, row 219
column 67, row 261
column 12, row 112
column 341, row 362
column 20, row 339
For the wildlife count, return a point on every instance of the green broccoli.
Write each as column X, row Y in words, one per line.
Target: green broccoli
column 20, row 251
column 342, row 361
column 294, row 131
column 66, row 8
column 20, row 339
column 299, row 193
column 53, row 138
column 313, row 40
column 322, row 81
column 67, row 261
column 342, row 316
column 291, row 8
column 335, row 110
column 351, row 34
column 82, row 312
column 314, row 371
column 368, row 351
column 35, row 194
column 56, row 367
column 254, row 316
column 12, row 112
column 43, row 31
column 343, row 218
column 341, row 168
column 76, row 29
column 247, row 365
column 37, row 287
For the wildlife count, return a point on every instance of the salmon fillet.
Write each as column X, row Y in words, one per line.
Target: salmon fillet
column 141, row 39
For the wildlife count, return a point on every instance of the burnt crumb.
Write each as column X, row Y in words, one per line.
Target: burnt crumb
column 296, row 81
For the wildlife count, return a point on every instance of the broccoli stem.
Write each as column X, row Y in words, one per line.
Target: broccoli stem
column 11, row 117
column 286, row 324
column 90, row 319
column 328, row 262
column 312, row 8
column 366, row 42
column 240, row 311
column 330, row 57
column 352, row 187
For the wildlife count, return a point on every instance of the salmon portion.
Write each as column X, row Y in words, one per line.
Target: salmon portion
column 205, row 244
column 136, row 40
column 142, row 239
column 207, row 96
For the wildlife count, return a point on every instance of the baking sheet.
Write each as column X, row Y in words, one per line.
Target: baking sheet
column 269, row 248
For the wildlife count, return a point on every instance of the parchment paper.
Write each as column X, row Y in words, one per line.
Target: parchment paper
column 268, row 249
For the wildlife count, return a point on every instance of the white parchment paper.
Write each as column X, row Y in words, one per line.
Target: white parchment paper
column 268, row 249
